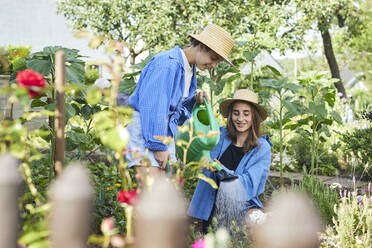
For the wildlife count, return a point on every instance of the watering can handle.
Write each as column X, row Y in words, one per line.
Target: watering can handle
column 208, row 106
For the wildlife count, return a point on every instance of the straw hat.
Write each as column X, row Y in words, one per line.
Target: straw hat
column 243, row 95
column 217, row 39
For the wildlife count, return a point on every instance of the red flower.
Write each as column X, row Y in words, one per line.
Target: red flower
column 128, row 197
column 31, row 81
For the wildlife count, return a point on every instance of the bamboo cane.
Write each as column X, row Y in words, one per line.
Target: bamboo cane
column 60, row 111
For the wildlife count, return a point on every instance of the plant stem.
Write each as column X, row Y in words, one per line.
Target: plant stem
column 313, row 146
column 281, row 140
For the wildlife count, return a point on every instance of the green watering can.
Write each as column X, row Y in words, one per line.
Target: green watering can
column 203, row 122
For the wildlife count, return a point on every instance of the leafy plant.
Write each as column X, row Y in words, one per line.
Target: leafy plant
column 352, row 224
column 358, row 145
column 12, row 58
column 288, row 108
column 322, row 196
column 317, row 110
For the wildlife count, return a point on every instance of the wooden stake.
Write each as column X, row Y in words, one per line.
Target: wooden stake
column 59, row 155
column 71, row 196
column 161, row 217
column 10, row 182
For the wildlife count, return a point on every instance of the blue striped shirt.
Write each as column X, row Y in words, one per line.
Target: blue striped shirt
column 158, row 97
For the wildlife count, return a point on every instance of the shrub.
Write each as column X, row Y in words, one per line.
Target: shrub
column 12, row 58
column 323, row 196
column 300, row 147
column 358, row 145
column 352, row 225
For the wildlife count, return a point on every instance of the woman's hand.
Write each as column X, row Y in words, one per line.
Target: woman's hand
column 162, row 157
column 199, row 97
column 211, row 169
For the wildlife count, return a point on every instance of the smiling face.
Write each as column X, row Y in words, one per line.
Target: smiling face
column 242, row 117
column 206, row 58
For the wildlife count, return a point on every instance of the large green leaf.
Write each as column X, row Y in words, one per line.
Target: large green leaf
column 318, row 109
column 40, row 65
column 329, row 98
column 86, row 111
column 127, row 85
column 70, row 111
column 75, row 73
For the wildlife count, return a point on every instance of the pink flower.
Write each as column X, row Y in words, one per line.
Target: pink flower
column 30, row 81
column 350, row 96
column 181, row 180
column 198, row 244
column 107, row 225
column 129, row 197
column 339, row 94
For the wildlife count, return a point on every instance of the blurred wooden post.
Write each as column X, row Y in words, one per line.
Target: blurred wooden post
column 161, row 217
column 10, row 182
column 59, row 155
column 71, row 197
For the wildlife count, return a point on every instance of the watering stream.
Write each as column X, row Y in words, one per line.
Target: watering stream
column 231, row 203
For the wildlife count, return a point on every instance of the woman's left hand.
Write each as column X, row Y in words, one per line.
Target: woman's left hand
column 199, row 97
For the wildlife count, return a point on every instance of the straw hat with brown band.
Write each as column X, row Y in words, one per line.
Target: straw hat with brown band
column 217, row 39
column 243, row 95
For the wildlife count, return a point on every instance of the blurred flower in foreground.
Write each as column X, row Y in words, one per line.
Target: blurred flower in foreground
column 198, row 244
column 31, row 81
column 127, row 196
column 107, row 226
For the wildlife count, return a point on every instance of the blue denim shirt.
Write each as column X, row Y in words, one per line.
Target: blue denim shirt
column 252, row 172
column 158, row 97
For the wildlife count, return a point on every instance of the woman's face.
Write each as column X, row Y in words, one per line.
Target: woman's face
column 242, row 116
column 206, row 59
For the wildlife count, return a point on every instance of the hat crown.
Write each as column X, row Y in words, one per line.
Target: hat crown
column 217, row 33
column 217, row 39
column 247, row 95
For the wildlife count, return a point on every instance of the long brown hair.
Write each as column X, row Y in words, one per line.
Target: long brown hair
column 254, row 131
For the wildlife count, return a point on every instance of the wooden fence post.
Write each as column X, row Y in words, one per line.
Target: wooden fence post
column 10, row 182
column 161, row 217
column 71, row 197
column 59, row 155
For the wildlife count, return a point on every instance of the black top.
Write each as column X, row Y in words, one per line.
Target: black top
column 231, row 157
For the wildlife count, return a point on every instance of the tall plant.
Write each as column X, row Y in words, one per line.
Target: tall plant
column 318, row 100
column 288, row 108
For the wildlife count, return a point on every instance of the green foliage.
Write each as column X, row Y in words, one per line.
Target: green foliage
column 288, row 108
column 91, row 75
column 43, row 62
column 12, row 58
column 358, row 145
column 300, row 146
column 317, row 109
column 352, row 225
column 323, row 197
column 107, row 183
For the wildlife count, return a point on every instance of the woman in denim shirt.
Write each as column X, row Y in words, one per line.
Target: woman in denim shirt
column 242, row 152
column 165, row 95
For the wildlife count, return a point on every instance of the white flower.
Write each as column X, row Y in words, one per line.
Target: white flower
column 102, row 83
column 358, row 241
column 257, row 217
column 335, row 186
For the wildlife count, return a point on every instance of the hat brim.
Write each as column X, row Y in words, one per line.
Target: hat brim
column 224, row 107
column 211, row 46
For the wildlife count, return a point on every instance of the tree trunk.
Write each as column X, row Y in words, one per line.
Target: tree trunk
column 331, row 59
